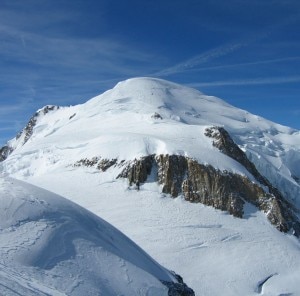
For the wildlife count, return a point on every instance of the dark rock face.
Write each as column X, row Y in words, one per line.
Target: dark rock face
column 223, row 190
column 101, row 164
column 137, row 171
column 87, row 162
column 279, row 211
column 226, row 145
column 4, row 152
column 179, row 288
column 105, row 164
column 172, row 170
column 156, row 116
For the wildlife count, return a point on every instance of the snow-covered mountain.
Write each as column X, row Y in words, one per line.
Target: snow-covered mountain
column 169, row 140
column 51, row 246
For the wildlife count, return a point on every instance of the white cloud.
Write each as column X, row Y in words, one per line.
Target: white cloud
column 257, row 81
column 200, row 59
column 254, row 63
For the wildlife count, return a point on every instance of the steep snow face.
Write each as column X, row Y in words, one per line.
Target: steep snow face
column 50, row 246
column 143, row 116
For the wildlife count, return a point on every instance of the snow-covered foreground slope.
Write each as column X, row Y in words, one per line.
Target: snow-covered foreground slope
column 215, row 253
column 50, row 246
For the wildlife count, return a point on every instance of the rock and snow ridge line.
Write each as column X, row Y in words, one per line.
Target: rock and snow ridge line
column 201, row 183
column 51, row 246
column 157, row 117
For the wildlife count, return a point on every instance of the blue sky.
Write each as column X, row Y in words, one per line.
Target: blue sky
column 64, row 52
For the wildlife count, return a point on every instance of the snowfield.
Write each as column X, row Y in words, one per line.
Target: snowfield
column 215, row 253
column 50, row 246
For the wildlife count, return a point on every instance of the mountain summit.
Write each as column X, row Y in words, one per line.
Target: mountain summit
column 203, row 148
column 166, row 164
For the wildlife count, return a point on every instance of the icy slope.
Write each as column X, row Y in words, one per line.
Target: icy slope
column 143, row 116
column 50, row 246
column 215, row 253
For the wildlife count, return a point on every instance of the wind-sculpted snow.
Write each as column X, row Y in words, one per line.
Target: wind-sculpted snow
column 49, row 245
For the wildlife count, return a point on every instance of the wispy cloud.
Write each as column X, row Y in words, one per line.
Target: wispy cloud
column 63, row 70
column 257, row 81
column 73, row 53
column 200, row 59
column 254, row 63
column 225, row 49
column 40, row 66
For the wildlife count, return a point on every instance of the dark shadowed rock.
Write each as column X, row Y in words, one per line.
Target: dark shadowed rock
column 226, row 145
column 138, row 170
column 171, row 173
column 4, row 152
column 156, row 116
column 101, row 164
column 87, row 162
column 179, row 288
column 105, row 164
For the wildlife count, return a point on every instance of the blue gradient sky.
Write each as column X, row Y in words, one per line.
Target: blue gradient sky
column 64, row 52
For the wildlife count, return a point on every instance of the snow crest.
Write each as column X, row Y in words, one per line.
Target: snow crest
column 49, row 245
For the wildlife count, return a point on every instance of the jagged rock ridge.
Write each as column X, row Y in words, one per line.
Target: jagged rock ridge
column 223, row 190
column 27, row 131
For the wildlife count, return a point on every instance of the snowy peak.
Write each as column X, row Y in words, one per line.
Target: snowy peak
column 141, row 117
column 150, row 95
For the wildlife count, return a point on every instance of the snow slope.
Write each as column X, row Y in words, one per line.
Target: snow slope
column 120, row 124
column 50, row 246
column 213, row 251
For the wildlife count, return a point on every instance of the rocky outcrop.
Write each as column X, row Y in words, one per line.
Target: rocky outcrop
column 105, row 164
column 199, row 183
column 27, row 132
column 180, row 175
column 280, row 212
column 226, row 145
column 4, row 152
column 179, row 288
column 87, row 162
column 137, row 171
column 101, row 164
column 156, row 116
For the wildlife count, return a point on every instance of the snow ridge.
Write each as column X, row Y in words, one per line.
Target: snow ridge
column 50, row 245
